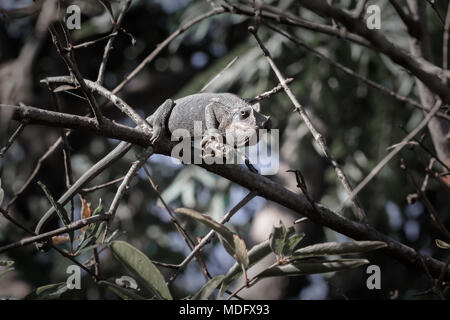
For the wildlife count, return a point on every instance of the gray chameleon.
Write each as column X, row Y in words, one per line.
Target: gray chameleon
column 230, row 116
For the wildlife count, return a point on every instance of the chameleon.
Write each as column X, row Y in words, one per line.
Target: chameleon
column 230, row 116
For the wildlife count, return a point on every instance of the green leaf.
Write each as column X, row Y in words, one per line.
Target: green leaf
column 141, row 266
column 442, row 244
column 2, row 193
column 48, row 292
column 277, row 239
column 291, row 243
column 255, row 254
column 300, row 268
column 6, row 263
column 208, row 288
column 234, row 245
column 107, row 5
column 333, row 248
column 125, row 294
column 91, row 235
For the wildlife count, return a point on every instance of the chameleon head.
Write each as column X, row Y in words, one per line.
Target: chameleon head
column 245, row 124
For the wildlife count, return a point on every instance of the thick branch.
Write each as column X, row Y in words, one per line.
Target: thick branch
column 263, row 186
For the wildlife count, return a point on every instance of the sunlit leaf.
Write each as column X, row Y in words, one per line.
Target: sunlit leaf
column 142, row 268
column 334, row 248
column 205, row 292
column 300, row 268
column 234, row 245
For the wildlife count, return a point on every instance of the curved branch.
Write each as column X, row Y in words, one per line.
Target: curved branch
column 263, row 186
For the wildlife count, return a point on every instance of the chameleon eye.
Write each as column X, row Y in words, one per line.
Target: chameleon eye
column 244, row 114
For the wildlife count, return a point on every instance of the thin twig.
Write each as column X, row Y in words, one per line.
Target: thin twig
column 352, row 73
column 35, row 171
column 89, row 43
column 108, row 47
column 219, row 74
column 69, row 59
column 11, row 140
column 210, row 234
column 161, row 46
column 100, row 186
column 47, row 235
column 359, row 213
column 391, row 154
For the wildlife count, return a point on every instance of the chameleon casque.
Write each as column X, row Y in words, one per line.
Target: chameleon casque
column 230, row 116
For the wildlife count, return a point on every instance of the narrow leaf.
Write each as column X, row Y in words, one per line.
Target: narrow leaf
column 300, row 268
column 125, row 294
column 2, row 193
column 205, row 292
column 332, row 248
column 442, row 244
column 141, row 266
column 6, row 263
column 3, row 272
column 277, row 239
column 291, row 243
column 48, row 292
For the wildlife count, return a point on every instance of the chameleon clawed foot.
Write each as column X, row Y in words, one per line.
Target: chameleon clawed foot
column 215, row 149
